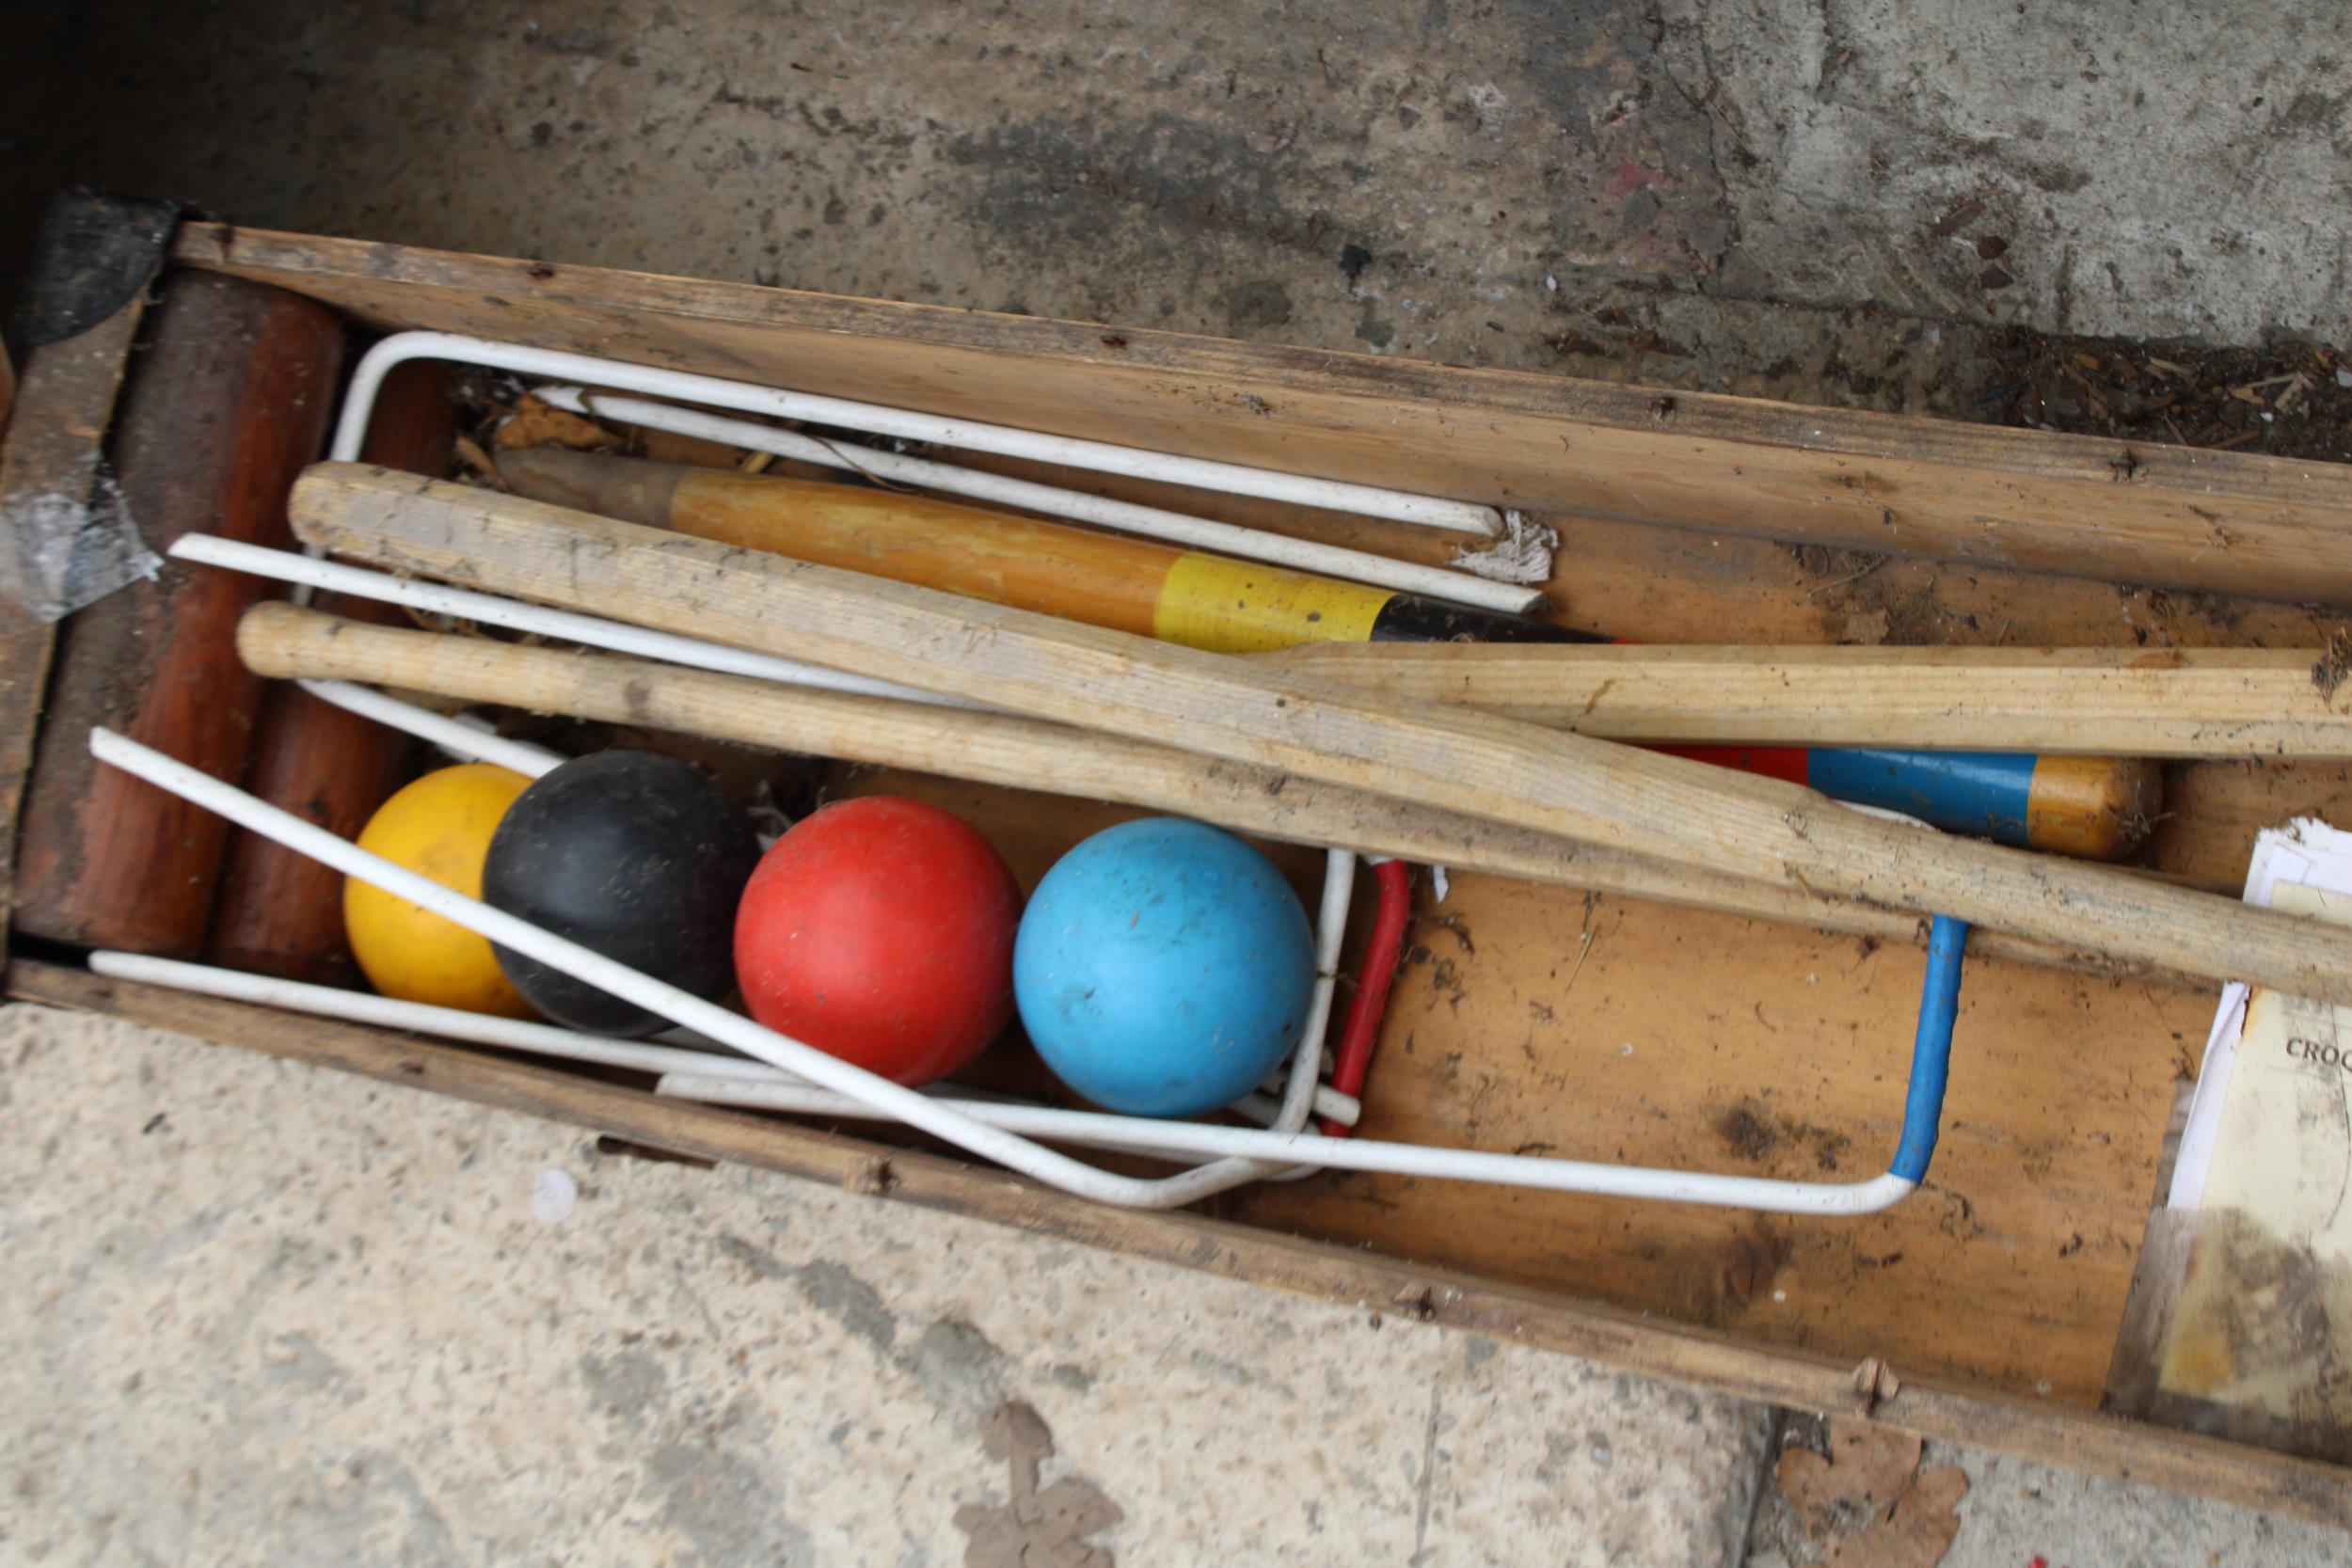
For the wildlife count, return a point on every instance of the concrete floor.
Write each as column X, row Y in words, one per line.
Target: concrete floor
column 303, row 1317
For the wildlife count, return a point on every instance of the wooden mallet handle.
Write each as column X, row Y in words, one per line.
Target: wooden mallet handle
column 2133, row 701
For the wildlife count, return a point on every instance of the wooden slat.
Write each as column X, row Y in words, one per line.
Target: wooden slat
column 2170, row 515
column 1523, row 775
column 2140, row 702
column 2029, row 1429
column 1626, row 1031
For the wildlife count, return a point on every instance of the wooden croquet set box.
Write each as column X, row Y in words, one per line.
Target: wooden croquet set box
column 1528, row 1017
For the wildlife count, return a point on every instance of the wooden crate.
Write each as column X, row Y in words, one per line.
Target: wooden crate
column 1532, row 1018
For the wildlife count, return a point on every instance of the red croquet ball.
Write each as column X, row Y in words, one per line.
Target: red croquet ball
column 881, row 931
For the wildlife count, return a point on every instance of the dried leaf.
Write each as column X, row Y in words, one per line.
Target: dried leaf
column 1961, row 217
column 1868, row 1467
column 1868, row 627
column 535, row 423
column 1915, row 1532
column 470, row 452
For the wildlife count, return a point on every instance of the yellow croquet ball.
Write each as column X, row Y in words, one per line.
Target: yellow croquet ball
column 439, row 826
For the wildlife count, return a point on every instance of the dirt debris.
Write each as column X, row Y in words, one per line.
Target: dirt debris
column 2284, row 400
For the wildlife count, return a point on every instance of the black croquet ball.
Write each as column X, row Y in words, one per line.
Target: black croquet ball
column 635, row 854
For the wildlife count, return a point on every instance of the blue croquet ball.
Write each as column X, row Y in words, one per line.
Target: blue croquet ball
column 1163, row 968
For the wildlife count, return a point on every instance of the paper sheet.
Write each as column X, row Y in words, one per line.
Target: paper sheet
column 2305, row 867
column 2250, row 1307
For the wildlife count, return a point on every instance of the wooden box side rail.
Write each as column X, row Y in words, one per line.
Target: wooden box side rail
column 2164, row 515
column 2049, row 1433
column 1462, row 760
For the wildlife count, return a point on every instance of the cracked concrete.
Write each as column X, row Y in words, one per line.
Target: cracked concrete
column 1693, row 192
column 2112, row 170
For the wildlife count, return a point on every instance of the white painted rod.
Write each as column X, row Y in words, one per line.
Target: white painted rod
column 1338, row 887
column 514, row 1034
column 1233, row 478
column 385, row 1012
column 1302, row 1090
column 1330, row 1103
column 569, row 625
column 1514, row 1170
column 1161, row 1140
column 1151, row 522
column 449, row 735
column 794, row 1058
column 1237, row 1154
column 539, row 1040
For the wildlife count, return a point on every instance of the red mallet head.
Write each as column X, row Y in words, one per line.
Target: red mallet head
column 881, row 931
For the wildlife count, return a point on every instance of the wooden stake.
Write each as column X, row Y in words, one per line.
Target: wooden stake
column 279, row 640
column 2135, row 702
column 1222, row 706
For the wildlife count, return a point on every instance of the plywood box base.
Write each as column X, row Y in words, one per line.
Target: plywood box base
column 1542, row 1018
